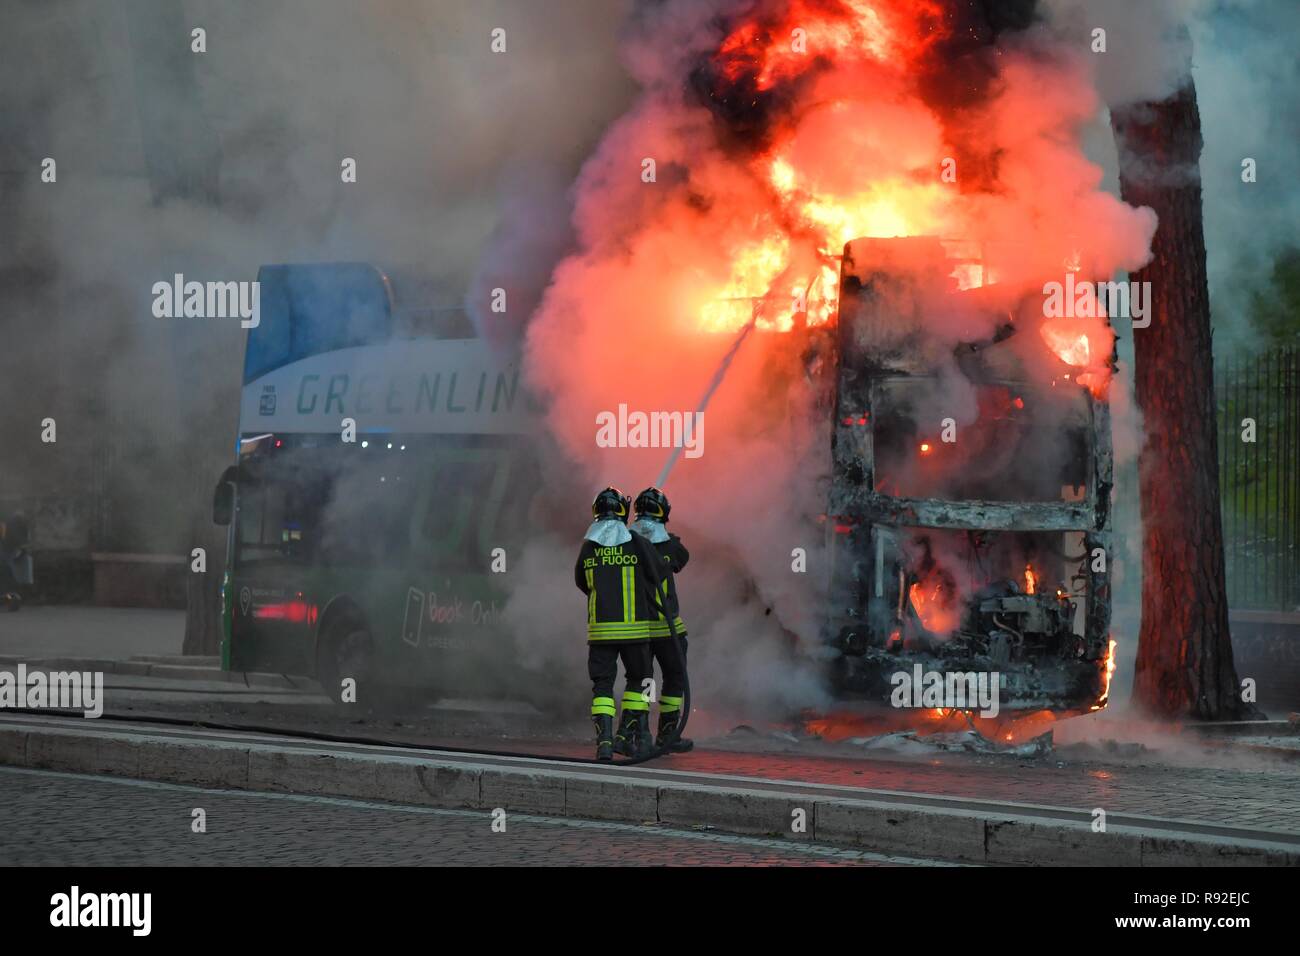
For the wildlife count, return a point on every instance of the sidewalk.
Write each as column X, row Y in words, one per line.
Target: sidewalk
column 914, row 825
column 1219, row 783
column 111, row 633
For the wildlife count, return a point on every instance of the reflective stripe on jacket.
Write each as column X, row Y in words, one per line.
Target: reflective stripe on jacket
column 673, row 557
column 618, row 580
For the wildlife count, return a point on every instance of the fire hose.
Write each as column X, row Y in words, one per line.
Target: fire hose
column 673, row 636
column 718, row 375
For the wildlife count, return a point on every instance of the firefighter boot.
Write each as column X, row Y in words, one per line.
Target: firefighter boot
column 644, row 744
column 604, row 736
column 668, row 739
column 625, row 739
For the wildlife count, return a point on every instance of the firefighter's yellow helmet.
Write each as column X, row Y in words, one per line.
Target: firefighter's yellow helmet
column 611, row 503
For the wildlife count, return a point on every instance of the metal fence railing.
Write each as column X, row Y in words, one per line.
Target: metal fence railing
column 1260, row 479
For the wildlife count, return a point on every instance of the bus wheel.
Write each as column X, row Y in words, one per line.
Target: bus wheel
column 347, row 654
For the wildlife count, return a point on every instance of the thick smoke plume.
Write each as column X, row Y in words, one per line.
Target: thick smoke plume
column 1240, row 54
column 214, row 163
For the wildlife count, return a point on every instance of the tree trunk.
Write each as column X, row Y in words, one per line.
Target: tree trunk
column 203, row 593
column 1184, row 658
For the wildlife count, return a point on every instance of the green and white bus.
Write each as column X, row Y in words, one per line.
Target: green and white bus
column 368, row 553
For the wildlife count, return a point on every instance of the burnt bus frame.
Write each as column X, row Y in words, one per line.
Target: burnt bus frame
column 853, row 496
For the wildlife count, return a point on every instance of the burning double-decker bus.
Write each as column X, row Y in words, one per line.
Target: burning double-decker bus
column 970, row 499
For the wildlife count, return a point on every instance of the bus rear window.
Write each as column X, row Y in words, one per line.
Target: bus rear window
column 1013, row 443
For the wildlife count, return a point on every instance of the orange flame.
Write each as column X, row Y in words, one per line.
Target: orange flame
column 1110, row 672
column 934, row 606
column 824, row 187
column 1070, row 347
column 827, row 175
column 866, row 30
column 1073, row 342
column 1031, row 580
column 1012, row 727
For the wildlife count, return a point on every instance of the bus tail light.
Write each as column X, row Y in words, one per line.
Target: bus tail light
column 295, row 612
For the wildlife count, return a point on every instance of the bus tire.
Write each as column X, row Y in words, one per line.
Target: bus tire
column 347, row 653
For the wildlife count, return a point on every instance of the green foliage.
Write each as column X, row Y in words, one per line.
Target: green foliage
column 1260, row 480
column 1275, row 308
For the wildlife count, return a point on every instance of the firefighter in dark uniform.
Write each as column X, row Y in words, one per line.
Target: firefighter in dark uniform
column 651, row 516
column 617, row 570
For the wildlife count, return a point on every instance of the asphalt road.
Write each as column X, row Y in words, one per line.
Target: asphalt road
column 49, row 819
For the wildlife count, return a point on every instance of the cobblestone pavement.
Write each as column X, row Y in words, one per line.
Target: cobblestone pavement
column 49, row 819
column 1254, row 798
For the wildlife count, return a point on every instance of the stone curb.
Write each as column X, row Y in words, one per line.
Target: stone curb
column 979, row 835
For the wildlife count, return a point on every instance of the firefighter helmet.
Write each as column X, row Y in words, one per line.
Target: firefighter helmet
column 653, row 504
column 611, row 503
